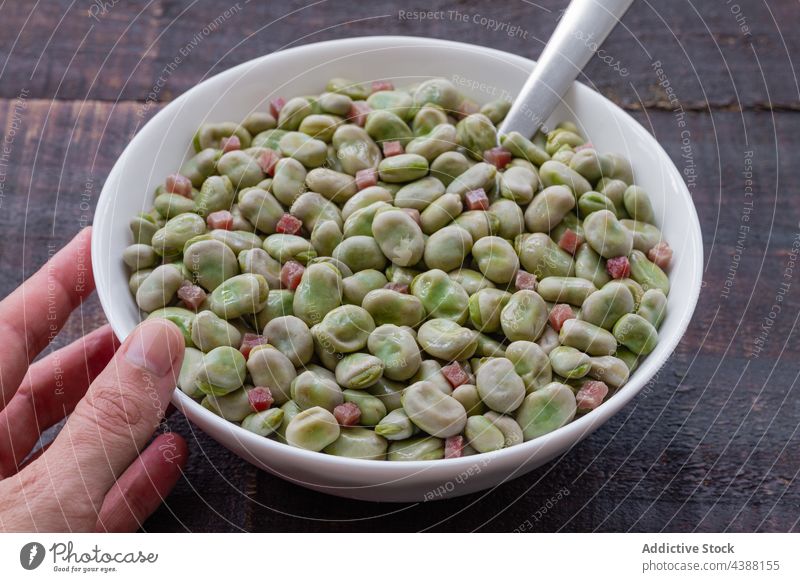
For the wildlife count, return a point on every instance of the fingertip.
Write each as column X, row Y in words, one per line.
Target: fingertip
column 156, row 345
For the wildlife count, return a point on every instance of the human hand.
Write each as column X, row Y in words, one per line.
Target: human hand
column 97, row 475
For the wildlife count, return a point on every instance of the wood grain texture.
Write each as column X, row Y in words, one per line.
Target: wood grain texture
column 710, row 444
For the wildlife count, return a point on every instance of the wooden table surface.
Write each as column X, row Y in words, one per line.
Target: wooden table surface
column 711, row 444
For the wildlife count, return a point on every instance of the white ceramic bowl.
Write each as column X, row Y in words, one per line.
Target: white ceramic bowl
column 483, row 74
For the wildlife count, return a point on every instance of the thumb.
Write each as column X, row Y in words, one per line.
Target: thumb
column 120, row 411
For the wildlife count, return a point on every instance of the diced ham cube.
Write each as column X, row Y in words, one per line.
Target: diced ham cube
column 499, row 157
column 222, row 219
column 455, row 374
column 525, row 280
column 250, row 341
column 570, row 241
column 230, row 144
column 191, row 295
column 289, row 224
column 366, row 178
column 178, row 184
column 661, row 255
column 268, row 160
column 275, row 106
column 413, row 213
column 382, row 86
column 591, row 395
column 399, row 287
column 559, row 314
column 453, row 447
column 467, row 107
column 358, row 113
column 477, row 199
column 291, row 273
column 260, row 398
column 392, row 148
column 618, row 267
column 347, row 414
column 585, row 146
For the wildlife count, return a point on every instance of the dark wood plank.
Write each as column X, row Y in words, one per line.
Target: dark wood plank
column 728, row 55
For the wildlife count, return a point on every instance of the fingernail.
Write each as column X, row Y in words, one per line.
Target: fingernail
column 149, row 347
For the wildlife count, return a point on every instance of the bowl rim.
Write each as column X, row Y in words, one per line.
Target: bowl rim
column 573, row 432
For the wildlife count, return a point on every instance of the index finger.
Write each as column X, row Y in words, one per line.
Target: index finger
column 36, row 311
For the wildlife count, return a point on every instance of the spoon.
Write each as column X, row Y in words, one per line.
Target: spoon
column 582, row 29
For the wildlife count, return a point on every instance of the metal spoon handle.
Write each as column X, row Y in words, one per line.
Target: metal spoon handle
column 583, row 27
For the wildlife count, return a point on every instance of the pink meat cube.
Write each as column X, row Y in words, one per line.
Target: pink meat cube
column 560, row 313
column 618, row 267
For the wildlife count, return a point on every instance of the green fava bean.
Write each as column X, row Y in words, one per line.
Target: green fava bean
column 288, row 247
column 169, row 239
column 471, row 281
column 171, row 205
column 489, row 347
column 447, row 248
column 293, row 113
column 613, row 371
column 645, row 236
column 355, row 149
column 279, row 304
column 291, row 336
column 210, row 135
column 345, row 329
column 313, row 208
column 312, row 429
column 387, row 306
column 140, row 256
column 360, row 222
column 437, row 414
column 143, row 228
column 440, row 213
column 439, row 92
column 499, row 385
column 549, row 340
column 383, row 125
column 572, row 290
column 234, row 407
column 335, row 103
column 305, row 149
column 427, row 118
column 239, row 295
column 554, row 173
column 264, row 423
column 237, row 240
column 483, row 435
column 467, row 395
column 631, row 360
column 524, row 316
column 431, row 371
column 210, row 262
column 476, row 134
column 371, row 407
column 615, row 191
column 591, row 266
column 325, row 237
column 388, row 391
column 355, row 91
column 200, row 166
column 496, row 110
column 258, row 121
column 485, row 307
column 648, row 274
column 210, row 331
column 519, row 184
column 190, row 368
column 269, row 367
column 587, row 337
column 606, row 235
column 310, row 389
column 521, row 147
column 356, row 287
column 416, row 449
column 403, row 168
column 496, row 259
column 587, row 163
column 358, row 443
column 398, row 102
column 240, row 168
column 635, row 289
column 216, row 193
column 557, row 139
column 419, row 194
column 136, row 280
column 222, row 371
column 269, row 138
column 593, row 202
column 440, row 140
column 546, row 410
column 549, row 208
column 289, row 180
column 653, row 307
column 441, row 296
column 481, row 175
column 159, row 288
column 260, row 208
column 636, row 333
column 364, row 198
column 638, row 206
column 530, row 363
column 358, row 371
column 395, row 426
column 543, row 257
column 446, row 340
column 336, row 186
column 181, row 317
column 604, row 307
column 321, row 127
column 399, row 237
column 397, row 350
column 258, row 262
column 511, row 430
column 319, row 292
column 478, row 223
column 360, row 253
column 448, row 166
